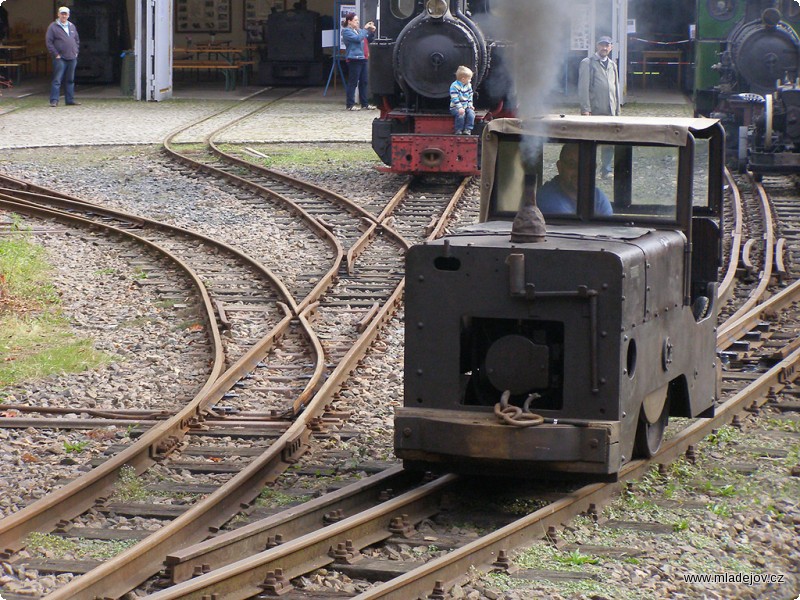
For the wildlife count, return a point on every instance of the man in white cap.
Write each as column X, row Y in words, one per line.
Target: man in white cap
column 63, row 43
column 599, row 89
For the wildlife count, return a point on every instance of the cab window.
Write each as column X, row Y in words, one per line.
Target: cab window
column 627, row 183
column 639, row 181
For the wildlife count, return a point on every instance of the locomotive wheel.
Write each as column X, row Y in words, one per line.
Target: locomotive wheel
column 649, row 435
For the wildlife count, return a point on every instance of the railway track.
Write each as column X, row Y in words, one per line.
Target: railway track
column 359, row 243
column 347, row 303
column 270, row 570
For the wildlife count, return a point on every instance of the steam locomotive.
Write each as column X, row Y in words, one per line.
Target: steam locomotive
column 747, row 60
column 563, row 341
column 412, row 63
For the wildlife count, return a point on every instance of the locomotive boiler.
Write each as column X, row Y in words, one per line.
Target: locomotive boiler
column 412, row 63
column 563, row 341
column 747, row 60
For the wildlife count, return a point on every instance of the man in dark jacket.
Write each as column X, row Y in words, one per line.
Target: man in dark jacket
column 63, row 43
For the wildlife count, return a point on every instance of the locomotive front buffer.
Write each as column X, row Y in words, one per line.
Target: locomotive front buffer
column 565, row 346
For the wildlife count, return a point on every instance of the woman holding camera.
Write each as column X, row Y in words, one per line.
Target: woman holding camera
column 356, row 41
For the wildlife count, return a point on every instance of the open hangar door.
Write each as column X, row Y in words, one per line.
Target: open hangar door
column 153, row 48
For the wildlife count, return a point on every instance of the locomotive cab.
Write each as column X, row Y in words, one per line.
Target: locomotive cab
column 565, row 343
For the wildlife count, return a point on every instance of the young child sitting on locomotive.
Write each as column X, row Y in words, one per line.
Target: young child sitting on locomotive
column 461, row 106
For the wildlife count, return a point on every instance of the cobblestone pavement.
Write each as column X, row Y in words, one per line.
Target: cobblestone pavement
column 308, row 115
column 104, row 117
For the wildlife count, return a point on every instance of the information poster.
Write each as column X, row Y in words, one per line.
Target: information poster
column 343, row 10
column 256, row 13
column 209, row 16
column 580, row 26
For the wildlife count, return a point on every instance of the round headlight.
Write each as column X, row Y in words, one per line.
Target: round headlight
column 436, row 8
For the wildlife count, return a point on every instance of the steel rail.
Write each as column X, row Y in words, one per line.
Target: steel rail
column 229, row 546
column 311, row 188
column 396, row 200
column 439, row 228
column 281, row 95
column 80, row 494
column 725, row 290
column 74, row 204
column 323, row 233
column 300, row 434
column 748, row 314
column 142, row 558
column 128, row 569
column 452, row 567
column 244, row 578
column 122, row 573
column 293, row 440
column 374, row 225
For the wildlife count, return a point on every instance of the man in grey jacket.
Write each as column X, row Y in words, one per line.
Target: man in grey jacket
column 599, row 89
column 63, row 43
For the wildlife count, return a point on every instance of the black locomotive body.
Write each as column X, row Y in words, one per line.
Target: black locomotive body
column 293, row 51
column 748, row 56
column 413, row 61
column 566, row 346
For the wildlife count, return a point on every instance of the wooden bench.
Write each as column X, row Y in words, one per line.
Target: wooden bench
column 227, row 69
column 17, row 67
column 245, row 66
column 35, row 58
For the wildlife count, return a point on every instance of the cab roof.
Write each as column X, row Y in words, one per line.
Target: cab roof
column 666, row 131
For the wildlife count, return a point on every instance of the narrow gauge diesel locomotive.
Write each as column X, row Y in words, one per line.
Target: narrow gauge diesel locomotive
column 747, row 59
column 412, row 63
column 566, row 346
column 292, row 54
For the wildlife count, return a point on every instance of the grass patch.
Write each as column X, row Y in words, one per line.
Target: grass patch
column 24, row 272
column 76, row 447
column 722, row 436
column 575, row 558
column 130, row 487
column 39, row 346
column 321, row 156
column 782, row 425
column 189, row 147
column 55, row 546
column 275, row 498
column 35, row 339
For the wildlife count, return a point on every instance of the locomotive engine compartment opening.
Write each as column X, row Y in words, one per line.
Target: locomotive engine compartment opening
column 522, row 356
column 568, row 352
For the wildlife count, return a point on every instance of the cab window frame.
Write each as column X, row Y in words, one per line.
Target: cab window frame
column 587, row 178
